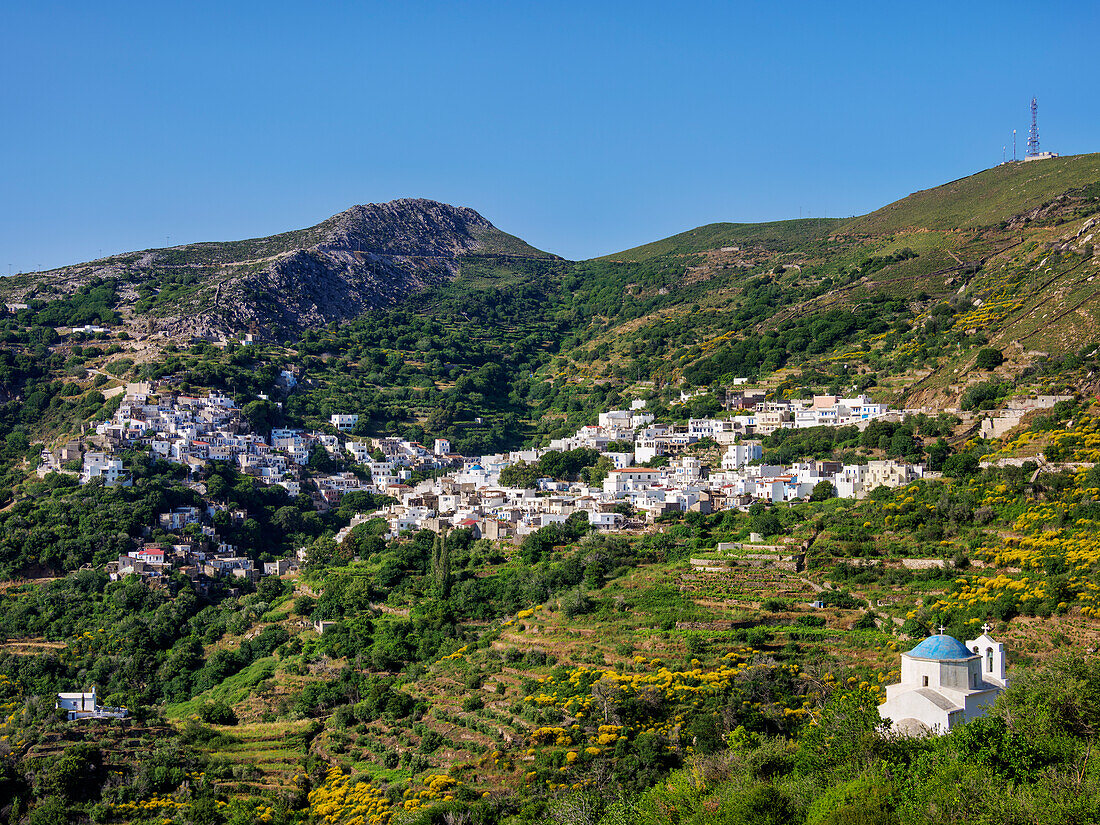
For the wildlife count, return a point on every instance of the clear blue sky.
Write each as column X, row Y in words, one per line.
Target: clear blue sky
column 583, row 127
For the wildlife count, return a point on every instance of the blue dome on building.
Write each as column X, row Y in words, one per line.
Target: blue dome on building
column 476, row 467
column 941, row 646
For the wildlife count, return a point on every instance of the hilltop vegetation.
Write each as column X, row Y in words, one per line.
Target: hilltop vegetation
column 898, row 302
column 523, row 348
column 896, row 309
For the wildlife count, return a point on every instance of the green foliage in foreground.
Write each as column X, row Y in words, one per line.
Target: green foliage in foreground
column 1032, row 760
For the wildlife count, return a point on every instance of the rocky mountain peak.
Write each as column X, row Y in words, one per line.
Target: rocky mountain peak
column 366, row 257
column 408, row 226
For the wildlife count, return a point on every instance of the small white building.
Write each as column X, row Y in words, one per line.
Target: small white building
column 620, row 482
column 279, row 567
column 945, row 683
column 83, row 706
column 344, row 422
column 620, row 461
column 220, row 399
column 361, row 451
column 738, row 455
column 604, row 521
column 98, row 465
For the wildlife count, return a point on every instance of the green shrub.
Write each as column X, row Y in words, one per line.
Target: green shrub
column 989, row 359
column 576, row 603
column 217, row 713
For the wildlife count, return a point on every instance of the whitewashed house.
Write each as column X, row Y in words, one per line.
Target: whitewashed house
column 98, row 465
column 83, row 706
column 344, row 422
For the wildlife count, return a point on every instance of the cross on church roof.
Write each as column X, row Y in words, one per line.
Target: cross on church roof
column 986, row 628
column 942, row 628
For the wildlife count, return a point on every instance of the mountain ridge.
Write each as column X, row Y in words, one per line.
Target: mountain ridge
column 367, row 257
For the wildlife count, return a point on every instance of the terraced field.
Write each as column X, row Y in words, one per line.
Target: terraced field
column 263, row 755
column 745, row 586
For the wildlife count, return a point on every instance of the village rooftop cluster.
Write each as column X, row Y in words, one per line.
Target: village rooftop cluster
column 465, row 491
column 633, row 494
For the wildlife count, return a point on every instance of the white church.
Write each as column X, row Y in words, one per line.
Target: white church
column 945, row 683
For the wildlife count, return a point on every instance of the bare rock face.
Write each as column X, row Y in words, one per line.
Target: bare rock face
column 408, row 227
column 368, row 257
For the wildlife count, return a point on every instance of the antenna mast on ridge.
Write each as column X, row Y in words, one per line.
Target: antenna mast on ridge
column 1033, row 135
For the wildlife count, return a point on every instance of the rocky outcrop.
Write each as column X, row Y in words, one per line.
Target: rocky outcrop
column 368, row 257
column 410, row 227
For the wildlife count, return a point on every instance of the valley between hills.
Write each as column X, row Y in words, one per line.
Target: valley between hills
column 257, row 494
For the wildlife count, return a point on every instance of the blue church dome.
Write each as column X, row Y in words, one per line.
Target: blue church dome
column 476, row 467
column 941, row 646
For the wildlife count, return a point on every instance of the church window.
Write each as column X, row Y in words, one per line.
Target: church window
column 989, row 659
column 925, row 681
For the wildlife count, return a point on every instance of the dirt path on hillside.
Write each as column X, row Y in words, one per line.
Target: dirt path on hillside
column 7, row 585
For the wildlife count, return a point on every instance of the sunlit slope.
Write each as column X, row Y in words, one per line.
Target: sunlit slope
column 778, row 235
column 983, row 199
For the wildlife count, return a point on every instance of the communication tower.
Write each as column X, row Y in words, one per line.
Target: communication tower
column 1033, row 135
column 1033, row 151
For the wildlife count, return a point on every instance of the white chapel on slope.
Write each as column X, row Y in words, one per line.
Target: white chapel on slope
column 945, row 683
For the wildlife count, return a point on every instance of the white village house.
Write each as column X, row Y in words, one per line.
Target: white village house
column 83, row 706
column 344, row 422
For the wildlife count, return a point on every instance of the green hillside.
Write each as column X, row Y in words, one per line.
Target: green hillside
column 650, row 678
column 983, row 199
column 230, row 252
column 896, row 302
column 777, row 235
column 978, row 200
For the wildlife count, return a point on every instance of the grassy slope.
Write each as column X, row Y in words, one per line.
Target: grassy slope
column 778, row 235
column 983, row 199
column 1026, row 303
column 202, row 258
column 658, row 622
column 227, row 252
column 501, row 243
column 978, row 200
column 668, row 613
